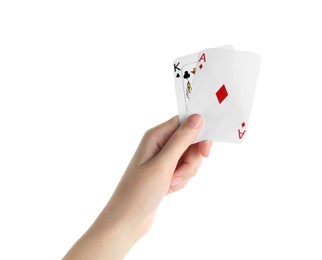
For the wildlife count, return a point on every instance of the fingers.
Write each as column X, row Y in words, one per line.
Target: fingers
column 154, row 139
column 178, row 187
column 164, row 131
column 204, row 148
column 181, row 140
column 188, row 168
column 190, row 163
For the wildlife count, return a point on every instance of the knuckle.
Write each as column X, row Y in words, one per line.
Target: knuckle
column 149, row 134
column 195, row 168
column 192, row 173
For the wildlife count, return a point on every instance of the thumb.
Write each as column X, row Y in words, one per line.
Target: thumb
column 181, row 139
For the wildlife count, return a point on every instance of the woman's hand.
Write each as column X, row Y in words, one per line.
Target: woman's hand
column 164, row 163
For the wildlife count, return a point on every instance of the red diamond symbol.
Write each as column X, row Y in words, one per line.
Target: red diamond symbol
column 200, row 66
column 221, row 94
column 243, row 124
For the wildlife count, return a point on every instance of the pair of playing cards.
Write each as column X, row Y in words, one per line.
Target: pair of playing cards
column 219, row 84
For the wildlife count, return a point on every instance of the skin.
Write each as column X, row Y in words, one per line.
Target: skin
column 164, row 163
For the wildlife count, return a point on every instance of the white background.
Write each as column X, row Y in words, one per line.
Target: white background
column 81, row 81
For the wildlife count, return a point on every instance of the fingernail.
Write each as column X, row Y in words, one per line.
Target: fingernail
column 195, row 120
column 176, row 181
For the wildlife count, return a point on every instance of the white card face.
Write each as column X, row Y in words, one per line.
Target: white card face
column 184, row 73
column 223, row 92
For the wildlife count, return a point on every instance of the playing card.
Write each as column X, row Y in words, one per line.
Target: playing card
column 184, row 72
column 183, row 81
column 224, row 88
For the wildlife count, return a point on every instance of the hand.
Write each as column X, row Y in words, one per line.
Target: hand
column 164, row 163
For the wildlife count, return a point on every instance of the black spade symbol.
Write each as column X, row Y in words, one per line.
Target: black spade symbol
column 178, row 75
column 186, row 75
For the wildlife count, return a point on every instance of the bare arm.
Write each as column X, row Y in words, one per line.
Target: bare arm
column 163, row 163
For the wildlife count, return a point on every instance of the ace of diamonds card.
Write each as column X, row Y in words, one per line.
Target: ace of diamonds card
column 224, row 87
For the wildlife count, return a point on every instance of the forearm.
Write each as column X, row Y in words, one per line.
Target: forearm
column 118, row 227
column 108, row 238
